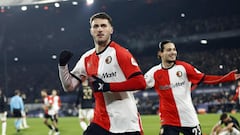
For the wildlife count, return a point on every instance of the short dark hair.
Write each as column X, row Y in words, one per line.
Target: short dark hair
column 162, row 43
column 101, row 15
column 17, row 92
column 223, row 116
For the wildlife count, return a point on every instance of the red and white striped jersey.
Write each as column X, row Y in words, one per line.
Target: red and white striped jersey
column 56, row 103
column 46, row 103
column 173, row 86
column 114, row 111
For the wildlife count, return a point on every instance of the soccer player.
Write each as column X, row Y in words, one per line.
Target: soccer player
column 231, row 126
column 3, row 112
column 56, row 105
column 172, row 79
column 17, row 108
column 49, row 113
column 237, row 95
column 114, row 75
column 85, row 102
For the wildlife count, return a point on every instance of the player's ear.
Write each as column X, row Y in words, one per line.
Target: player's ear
column 159, row 54
column 111, row 30
column 91, row 31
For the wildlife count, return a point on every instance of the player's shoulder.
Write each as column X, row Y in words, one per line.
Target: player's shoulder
column 117, row 46
column 183, row 63
column 89, row 52
column 154, row 69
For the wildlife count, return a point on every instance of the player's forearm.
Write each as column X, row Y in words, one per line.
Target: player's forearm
column 68, row 82
column 213, row 79
column 135, row 83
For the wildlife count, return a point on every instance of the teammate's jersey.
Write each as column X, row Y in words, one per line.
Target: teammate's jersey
column 173, row 86
column 114, row 111
column 48, row 103
column 45, row 104
column 56, row 102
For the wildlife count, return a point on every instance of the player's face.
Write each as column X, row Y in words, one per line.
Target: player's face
column 169, row 53
column 43, row 93
column 54, row 92
column 101, row 31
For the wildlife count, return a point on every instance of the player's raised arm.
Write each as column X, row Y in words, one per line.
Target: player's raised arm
column 69, row 81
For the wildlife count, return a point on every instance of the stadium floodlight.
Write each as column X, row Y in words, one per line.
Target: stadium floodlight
column 74, row 3
column 54, row 56
column 57, row 4
column 204, row 41
column 24, row 8
column 16, row 59
column 182, row 15
column 36, row 6
column 89, row 2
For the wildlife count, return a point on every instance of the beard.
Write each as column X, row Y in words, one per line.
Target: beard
column 102, row 43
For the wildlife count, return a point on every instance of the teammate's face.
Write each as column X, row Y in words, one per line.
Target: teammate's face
column 101, row 31
column 169, row 53
column 43, row 93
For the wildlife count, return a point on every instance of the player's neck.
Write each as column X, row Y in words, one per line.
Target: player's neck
column 101, row 46
column 167, row 64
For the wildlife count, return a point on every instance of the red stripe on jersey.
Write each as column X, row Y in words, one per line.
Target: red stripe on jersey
column 100, row 113
column 167, row 106
column 91, row 63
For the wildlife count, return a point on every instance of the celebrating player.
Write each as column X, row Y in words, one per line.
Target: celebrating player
column 172, row 80
column 114, row 75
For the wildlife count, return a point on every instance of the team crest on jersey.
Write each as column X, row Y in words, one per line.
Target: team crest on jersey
column 108, row 59
column 179, row 73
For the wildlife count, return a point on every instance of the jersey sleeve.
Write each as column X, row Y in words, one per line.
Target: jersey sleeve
column 127, row 62
column 132, row 73
column 193, row 74
column 215, row 79
column 149, row 77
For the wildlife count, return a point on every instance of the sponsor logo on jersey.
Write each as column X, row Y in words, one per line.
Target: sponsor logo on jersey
column 108, row 59
column 108, row 75
column 166, row 87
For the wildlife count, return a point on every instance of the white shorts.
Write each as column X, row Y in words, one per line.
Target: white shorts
column 85, row 114
column 3, row 116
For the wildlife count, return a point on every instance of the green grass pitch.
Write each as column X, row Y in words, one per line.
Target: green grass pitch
column 70, row 125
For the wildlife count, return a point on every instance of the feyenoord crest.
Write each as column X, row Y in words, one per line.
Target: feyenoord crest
column 179, row 73
column 108, row 59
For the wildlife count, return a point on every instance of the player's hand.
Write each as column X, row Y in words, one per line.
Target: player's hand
column 98, row 85
column 64, row 57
